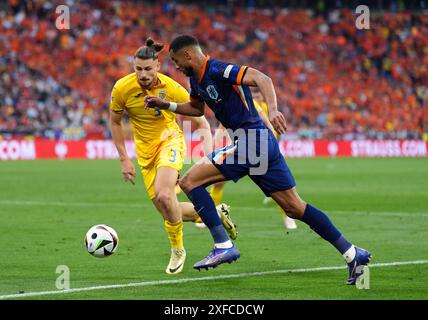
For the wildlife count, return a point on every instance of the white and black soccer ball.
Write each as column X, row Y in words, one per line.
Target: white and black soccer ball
column 101, row 241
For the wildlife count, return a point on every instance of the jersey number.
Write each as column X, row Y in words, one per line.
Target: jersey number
column 173, row 155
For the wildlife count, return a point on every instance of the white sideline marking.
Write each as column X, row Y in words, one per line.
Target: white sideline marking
column 149, row 205
column 226, row 276
column 70, row 204
column 384, row 213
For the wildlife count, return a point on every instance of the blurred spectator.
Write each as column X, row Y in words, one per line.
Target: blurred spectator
column 333, row 81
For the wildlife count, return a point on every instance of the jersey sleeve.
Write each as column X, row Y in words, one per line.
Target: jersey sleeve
column 117, row 104
column 230, row 73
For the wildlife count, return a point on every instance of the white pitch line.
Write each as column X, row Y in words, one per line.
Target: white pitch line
column 383, row 213
column 185, row 280
column 149, row 205
column 71, row 204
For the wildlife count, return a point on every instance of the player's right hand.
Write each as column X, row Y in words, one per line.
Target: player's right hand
column 128, row 171
column 278, row 121
column 155, row 102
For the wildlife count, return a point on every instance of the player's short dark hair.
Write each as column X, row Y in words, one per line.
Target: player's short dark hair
column 149, row 51
column 183, row 41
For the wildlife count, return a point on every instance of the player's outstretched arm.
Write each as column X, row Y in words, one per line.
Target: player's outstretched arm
column 128, row 169
column 255, row 78
column 192, row 108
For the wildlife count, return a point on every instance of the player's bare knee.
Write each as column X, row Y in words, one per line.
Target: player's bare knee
column 183, row 184
column 164, row 198
column 186, row 184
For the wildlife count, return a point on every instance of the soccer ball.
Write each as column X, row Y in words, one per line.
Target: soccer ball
column 101, row 241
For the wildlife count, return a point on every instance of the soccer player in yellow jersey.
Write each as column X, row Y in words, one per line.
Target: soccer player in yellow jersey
column 159, row 143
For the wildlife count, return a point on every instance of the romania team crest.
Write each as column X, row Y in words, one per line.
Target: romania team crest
column 162, row 94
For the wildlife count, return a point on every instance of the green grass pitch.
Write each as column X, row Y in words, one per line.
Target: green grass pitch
column 46, row 207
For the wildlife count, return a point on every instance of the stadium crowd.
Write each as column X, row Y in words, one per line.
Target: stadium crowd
column 333, row 81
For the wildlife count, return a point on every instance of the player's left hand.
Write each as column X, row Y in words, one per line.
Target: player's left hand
column 128, row 171
column 155, row 102
column 278, row 121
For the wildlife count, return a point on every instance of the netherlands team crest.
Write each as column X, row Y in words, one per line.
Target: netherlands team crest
column 212, row 92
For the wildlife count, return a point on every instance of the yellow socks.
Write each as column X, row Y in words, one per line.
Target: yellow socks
column 217, row 194
column 280, row 210
column 175, row 234
column 177, row 189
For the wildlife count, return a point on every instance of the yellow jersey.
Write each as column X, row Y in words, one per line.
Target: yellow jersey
column 261, row 106
column 151, row 127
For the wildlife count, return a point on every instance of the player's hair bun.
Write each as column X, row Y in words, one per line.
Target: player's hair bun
column 156, row 46
column 150, row 50
column 150, row 42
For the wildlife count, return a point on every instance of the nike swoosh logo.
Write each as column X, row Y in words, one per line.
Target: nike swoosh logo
column 175, row 269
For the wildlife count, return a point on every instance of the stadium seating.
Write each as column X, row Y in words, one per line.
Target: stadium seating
column 333, row 81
